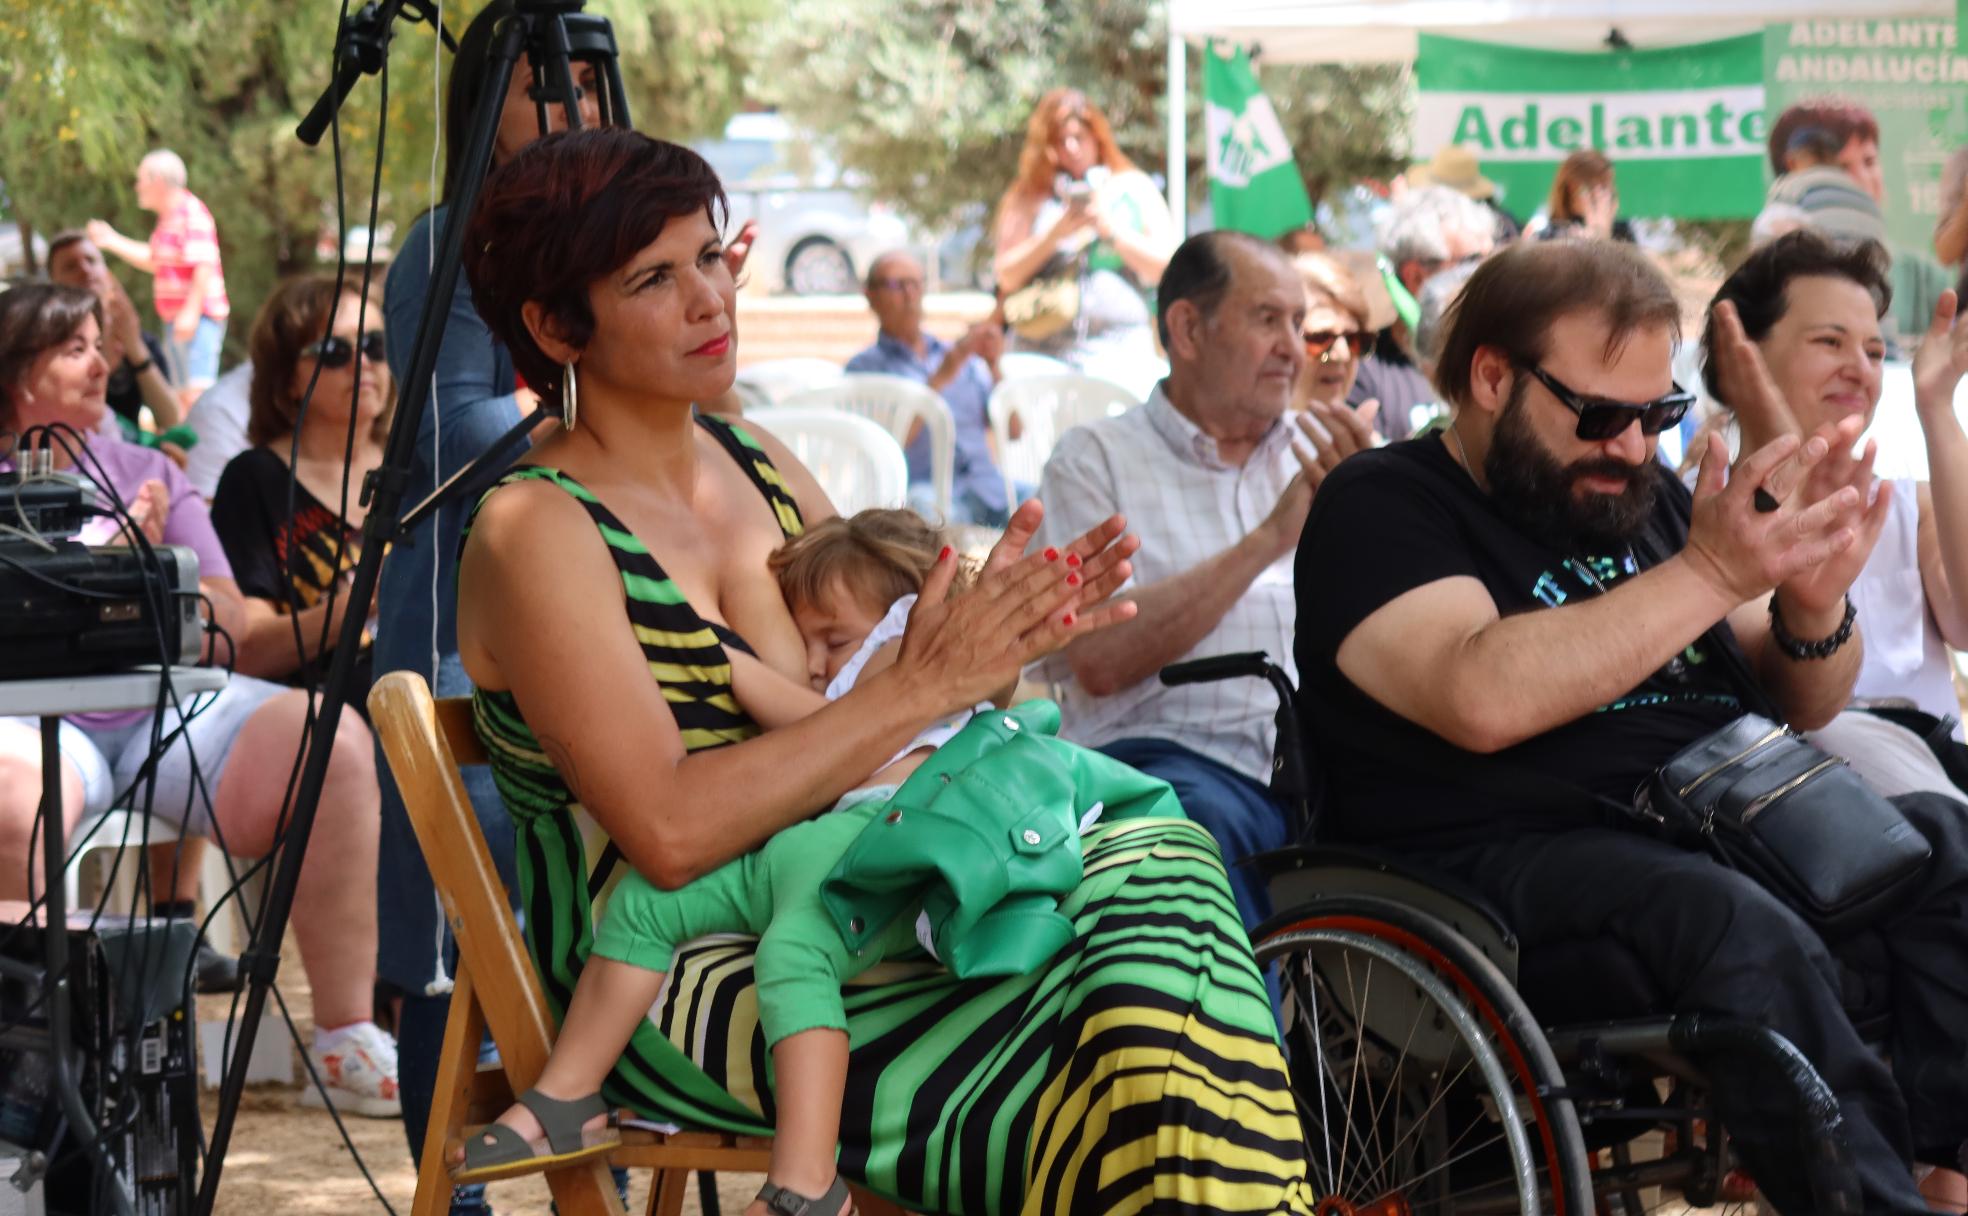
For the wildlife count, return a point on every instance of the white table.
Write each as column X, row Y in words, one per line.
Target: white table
column 48, row 700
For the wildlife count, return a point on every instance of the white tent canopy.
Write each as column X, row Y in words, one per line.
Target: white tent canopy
column 1383, row 31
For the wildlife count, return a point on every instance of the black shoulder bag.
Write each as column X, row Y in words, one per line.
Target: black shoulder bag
column 1798, row 820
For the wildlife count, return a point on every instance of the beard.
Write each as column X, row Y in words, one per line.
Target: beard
column 1541, row 497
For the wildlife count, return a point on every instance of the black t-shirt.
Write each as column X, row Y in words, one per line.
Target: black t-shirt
column 1393, row 519
column 272, row 562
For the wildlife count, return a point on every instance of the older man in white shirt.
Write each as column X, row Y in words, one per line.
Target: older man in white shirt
column 1210, row 474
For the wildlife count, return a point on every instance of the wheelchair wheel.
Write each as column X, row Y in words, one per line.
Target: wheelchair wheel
column 1423, row 1082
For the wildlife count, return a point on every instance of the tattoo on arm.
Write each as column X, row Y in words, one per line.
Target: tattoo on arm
column 562, row 757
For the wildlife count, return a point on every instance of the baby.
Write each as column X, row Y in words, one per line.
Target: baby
column 850, row 584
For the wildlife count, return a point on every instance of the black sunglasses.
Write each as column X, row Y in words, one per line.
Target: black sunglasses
column 1600, row 418
column 336, row 352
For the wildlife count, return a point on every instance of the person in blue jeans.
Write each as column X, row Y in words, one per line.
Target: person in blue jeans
column 1214, row 474
column 475, row 399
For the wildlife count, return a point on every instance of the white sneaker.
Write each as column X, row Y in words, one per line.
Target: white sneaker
column 359, row 1069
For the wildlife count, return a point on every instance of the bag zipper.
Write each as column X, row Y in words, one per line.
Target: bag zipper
column 1756, row 805
column 1702, row 778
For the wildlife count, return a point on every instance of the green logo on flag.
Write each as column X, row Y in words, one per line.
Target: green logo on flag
column 1254, row 183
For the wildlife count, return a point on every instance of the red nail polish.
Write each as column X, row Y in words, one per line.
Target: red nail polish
column 1067, row 619
column 945, row 555
column 1072, row 580
column 1051, row 554
column 1072, row 559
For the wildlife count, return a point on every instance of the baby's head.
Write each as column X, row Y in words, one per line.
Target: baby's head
column 841, row 575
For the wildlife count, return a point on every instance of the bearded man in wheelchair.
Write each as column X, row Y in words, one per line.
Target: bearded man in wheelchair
column 1530, row 657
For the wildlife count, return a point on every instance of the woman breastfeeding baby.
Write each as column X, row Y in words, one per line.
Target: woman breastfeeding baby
column 850, row 585
column 632, row 603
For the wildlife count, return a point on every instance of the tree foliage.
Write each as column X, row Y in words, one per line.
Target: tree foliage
column 927, row 99
column 930, row 99
column 89, row 88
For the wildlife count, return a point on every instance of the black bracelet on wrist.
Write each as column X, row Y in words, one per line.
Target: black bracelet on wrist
column 139, row 369
column 1823, row 648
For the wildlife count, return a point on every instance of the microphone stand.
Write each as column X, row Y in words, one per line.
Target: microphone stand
column 550, row 33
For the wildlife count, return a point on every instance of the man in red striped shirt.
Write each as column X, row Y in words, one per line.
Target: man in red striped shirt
column 182, row 256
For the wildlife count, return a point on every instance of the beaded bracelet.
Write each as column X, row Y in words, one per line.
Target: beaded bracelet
column 1823, row 648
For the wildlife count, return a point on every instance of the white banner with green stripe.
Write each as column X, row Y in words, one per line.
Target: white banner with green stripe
column 1684, row 127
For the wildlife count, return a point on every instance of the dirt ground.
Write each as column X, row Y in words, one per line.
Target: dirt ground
column 288, row 1159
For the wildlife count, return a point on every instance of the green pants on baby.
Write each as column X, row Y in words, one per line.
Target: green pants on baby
column 774, row 892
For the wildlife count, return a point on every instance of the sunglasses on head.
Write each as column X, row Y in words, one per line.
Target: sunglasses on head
column 1600, row 418
column 1357, row 343
column 337, row 352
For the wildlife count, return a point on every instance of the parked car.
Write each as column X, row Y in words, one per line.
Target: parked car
column 13, row 252
column 817, row 230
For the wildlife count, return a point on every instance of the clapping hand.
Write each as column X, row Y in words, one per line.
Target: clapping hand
column 1600, row 209
column 1743, row 380
column 1941, row 360
column 1812, row 546
column 739, row 249
column 124, row 328
column 150, row 509
column 1023, row 607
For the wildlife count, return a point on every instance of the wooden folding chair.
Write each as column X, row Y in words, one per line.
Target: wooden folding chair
column 426, row 742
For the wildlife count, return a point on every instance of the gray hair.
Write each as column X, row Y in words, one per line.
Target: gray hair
column 1437, row 294
column 164, row 165
column 1416, row 228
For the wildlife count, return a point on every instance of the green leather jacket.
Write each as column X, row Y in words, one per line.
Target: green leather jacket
column 984, row 841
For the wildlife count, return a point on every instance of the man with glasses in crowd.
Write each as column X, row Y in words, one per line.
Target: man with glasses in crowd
column 1210, row 474
column 1518, row 620
column 963, row 372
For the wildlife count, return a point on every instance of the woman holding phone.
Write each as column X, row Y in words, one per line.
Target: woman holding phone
column 1081, row 220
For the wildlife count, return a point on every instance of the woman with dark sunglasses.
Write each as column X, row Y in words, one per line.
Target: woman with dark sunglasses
column 288, row 508
column 1337, row 334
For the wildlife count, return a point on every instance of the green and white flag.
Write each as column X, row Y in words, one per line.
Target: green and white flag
column 1253, row 181
column 1684, row 126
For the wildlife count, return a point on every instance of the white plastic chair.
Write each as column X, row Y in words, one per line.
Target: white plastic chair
column 775, row 380
column 98, row 839
column 896, row 404
column 1020, row 365
column 1047, row 407
column 855, row 460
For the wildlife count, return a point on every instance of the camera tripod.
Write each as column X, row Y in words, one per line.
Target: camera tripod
column 551, row 35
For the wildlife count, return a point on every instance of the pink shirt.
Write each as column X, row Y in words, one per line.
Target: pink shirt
column 185, row 239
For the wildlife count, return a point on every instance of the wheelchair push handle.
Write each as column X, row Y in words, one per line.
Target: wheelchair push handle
column 1217, row 667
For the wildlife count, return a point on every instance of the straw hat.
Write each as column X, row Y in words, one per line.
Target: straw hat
column 1454, row 166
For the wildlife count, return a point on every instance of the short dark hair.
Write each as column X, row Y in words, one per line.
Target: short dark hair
column 33, row 318
column 1760, row 287
column 564, row 211
column 1514, row 297
column 62, row 240
column 470, row 68
column 1199, row 271
column 1839, row 117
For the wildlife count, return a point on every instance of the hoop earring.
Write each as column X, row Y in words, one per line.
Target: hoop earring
column 570, row 396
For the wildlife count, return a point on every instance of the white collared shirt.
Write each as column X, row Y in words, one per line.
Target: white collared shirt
column 1187, row 505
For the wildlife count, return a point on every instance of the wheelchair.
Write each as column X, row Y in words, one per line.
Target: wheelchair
column 1424, row 1081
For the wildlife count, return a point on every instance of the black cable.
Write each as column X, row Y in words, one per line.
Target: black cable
column 308, row 672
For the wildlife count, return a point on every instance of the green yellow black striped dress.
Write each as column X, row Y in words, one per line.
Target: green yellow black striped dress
column 1138, row 1072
